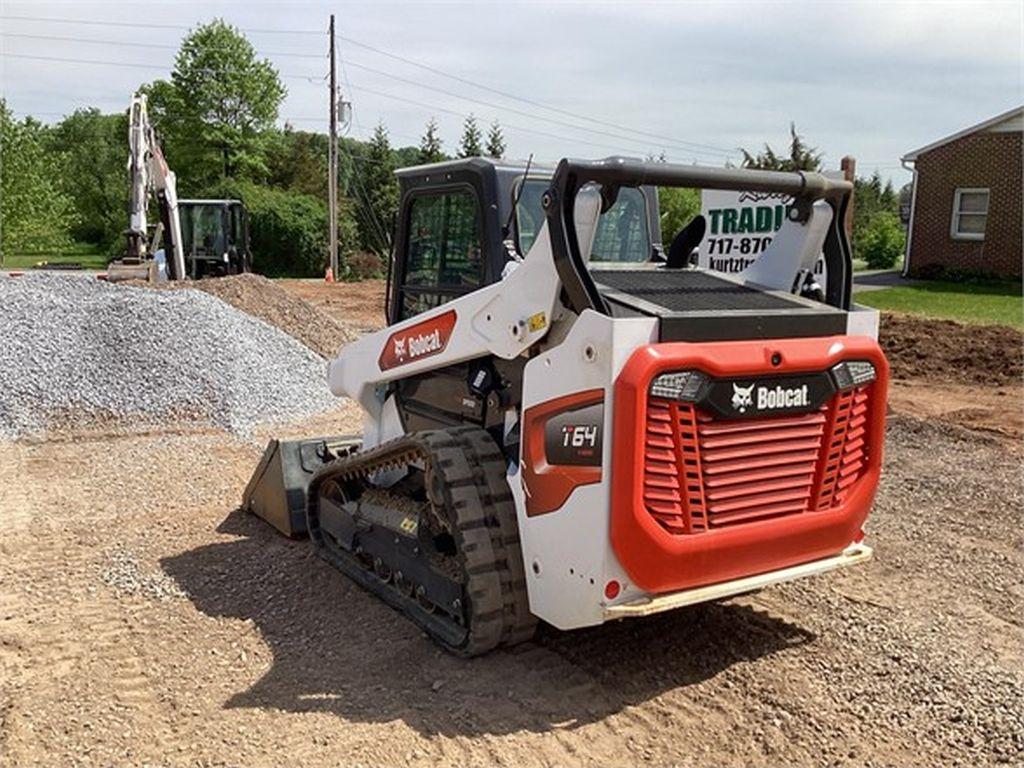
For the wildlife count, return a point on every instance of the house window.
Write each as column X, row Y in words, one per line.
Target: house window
column 970, row 212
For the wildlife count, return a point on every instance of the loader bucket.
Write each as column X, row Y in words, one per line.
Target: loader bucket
column 276, row 491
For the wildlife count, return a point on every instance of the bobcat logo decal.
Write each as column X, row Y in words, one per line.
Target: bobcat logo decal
column 415, row 342
column 742, row 397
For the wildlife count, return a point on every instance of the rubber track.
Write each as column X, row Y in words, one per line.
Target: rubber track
column 465, row 478
column 490, row 473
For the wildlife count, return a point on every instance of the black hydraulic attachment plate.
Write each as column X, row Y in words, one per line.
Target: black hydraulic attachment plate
column 276, row 491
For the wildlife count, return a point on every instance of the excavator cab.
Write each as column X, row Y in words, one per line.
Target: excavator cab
column 215, row 237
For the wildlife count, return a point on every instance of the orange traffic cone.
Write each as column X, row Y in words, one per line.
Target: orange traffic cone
column 329, row 275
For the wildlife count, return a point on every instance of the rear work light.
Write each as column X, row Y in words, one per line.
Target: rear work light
column 853, row 373
column 678, row 385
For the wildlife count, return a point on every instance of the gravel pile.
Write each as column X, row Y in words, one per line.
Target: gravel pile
column 262, row 298
column 80, row 353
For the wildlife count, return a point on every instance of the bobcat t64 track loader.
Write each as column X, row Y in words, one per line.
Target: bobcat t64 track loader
column 563, row 422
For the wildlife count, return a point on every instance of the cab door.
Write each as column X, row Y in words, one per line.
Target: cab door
column 443, row 253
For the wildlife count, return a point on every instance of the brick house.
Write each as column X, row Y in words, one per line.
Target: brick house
column 966, row 208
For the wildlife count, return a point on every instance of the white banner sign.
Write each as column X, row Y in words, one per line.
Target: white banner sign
column 740, row 225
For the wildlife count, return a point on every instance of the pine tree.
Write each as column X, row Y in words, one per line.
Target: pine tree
column 801, row 157
column 471, row 146
column 376, row 192
column 495, row 142
column 430, row 144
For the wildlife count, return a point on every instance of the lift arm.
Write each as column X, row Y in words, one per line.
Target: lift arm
column 151, row 175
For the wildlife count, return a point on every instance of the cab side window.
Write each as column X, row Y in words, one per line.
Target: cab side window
column 443, row 258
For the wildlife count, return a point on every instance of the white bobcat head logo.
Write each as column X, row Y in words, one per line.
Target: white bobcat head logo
column 742, row 397
column 400, row 348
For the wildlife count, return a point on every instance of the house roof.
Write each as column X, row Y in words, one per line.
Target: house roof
column 982, row 126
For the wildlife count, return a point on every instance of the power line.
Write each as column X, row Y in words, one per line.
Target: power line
column 129, row 64
column 434, row 108
column 312, row 78
column 148, row 46
column 362, row 195
column 514, row 111
column 140, row 25
column 157, row 117
column 430, row 107
column 521, row 129
column 378, row 227
column 680, row 143
column 524, row 100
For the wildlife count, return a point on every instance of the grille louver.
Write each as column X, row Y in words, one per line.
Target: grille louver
column 702, row 473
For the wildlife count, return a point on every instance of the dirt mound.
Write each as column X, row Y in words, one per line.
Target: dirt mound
column 947, row 351
column 295, row 316
column 263, row 298
column 359, row 305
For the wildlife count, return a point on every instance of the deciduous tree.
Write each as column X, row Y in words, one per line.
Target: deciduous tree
column 36, row 215
column 882, row 241
column 678, row 206
column 219, row 108
column 91, row 149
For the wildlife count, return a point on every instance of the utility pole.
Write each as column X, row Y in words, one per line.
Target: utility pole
column 332, row 181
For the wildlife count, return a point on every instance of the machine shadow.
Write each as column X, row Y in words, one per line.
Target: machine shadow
column 337, row 649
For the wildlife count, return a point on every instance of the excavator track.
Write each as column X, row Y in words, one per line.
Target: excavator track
column 440, row 543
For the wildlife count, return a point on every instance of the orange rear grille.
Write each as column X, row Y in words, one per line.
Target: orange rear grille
column 701, row 472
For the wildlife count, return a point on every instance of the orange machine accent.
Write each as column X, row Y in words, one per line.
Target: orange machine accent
column 700, row 499
column 547, row 486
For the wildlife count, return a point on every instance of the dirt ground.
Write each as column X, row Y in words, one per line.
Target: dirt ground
column 968, row 375
column 145, row 620
column 360, row 305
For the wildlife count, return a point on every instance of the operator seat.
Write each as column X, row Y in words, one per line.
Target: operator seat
column 689, row 237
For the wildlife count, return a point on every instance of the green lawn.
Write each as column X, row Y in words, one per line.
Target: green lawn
column 860, row 265
column 967, row 302
column 80, row 253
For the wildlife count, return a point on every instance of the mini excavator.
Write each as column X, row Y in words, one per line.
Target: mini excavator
column 192, row 238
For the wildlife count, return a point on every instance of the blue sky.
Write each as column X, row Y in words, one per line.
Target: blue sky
column 695, row 80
